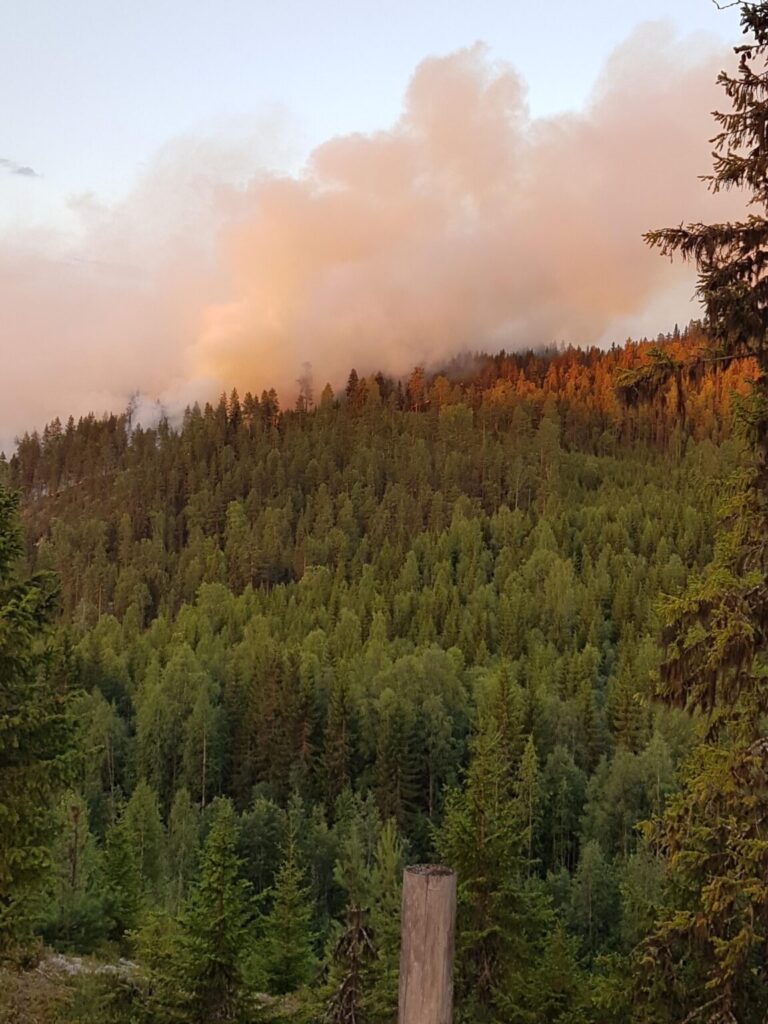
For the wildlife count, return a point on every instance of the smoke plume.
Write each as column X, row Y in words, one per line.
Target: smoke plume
column 465, row 225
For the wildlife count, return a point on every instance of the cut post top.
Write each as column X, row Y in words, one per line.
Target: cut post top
column 431, row 870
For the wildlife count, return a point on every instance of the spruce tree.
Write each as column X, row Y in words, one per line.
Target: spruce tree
column 382, row 974
column 146, row 834
column 35, row 733
column 74, row 915
column 122, row 880
column 528, row 794
column 705, row 958
column 286, row 948
column 183, row 847
column 213, row 940
column 499, row 916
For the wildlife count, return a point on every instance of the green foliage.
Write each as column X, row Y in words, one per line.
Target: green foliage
column 556, row 989
column 412, row 619
column 183, row 848
column 285, row 953
column 713, row 837
column 500, row 914
column 594, row 902
column 213, row 933
column 704, row 957
column 122, row 882
column 146, row 834
column 35, row 732
column 528, row 795
column 386, row 883
column 74, row 916
column 351, row 955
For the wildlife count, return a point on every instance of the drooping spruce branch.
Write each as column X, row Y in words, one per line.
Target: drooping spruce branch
column 704, row 959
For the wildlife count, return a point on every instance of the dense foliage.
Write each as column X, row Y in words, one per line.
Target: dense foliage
column 705, row 956
column 416, row 620
column 34, row 729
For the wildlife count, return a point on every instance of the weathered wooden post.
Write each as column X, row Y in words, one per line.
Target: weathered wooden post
column 426, row 951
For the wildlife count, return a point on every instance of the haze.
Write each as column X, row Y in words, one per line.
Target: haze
column 472, row 212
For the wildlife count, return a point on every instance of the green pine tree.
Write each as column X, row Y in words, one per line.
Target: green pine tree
column 286, row 949
column 213, row 935
column 183, row 848
column 74, row 916
column 499, row 915
column 705, row 957
column 35, row 731
column 528, row 795
column 382, row 974
column 145, row 830
column 122, row 880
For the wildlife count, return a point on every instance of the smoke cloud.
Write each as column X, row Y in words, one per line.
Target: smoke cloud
column 466, row 225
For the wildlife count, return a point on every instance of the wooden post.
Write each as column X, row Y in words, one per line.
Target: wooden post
column 426, row 951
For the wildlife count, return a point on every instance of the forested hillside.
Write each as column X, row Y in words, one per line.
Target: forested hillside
column 415, row 620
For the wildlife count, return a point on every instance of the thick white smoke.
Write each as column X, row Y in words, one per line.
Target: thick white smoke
column 465, row 224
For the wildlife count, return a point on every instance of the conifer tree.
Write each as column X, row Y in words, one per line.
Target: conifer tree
column 75, row 915
column 183, row 847
column 556, row 990
column 382, row 974
column 594, row 899
column 213, row 940
column 145, row 831
column 337, row 741
column 35, row 734
column 286, row 948
column 122, row 879
column 705, row 958
column 528, row 794
column 394, row 768
column 352, row 871
column 498, row 916
column 716, row 630
column 351, row 954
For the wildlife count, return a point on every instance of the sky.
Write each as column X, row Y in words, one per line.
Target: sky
column 157, row 159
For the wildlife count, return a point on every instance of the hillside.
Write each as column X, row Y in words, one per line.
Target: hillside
column 416, row 620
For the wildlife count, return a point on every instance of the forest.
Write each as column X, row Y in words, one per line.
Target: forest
column 509, row 614
column 289, row 651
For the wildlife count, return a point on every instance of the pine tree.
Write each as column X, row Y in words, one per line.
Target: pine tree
column 594, row 908
column 286, row 948
column 716, row 628
column 498, row 915
column 183, row 848
column 145, row 831
column 213, row 940
column 528, row 794
column 353, row 389
column 75, row 914
column 352, row 871
column 705, row 958
column 556, row 990
column 122, row 880
column 395, row 769
column 382, row 974
column 35, row 731
column 337, row 741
